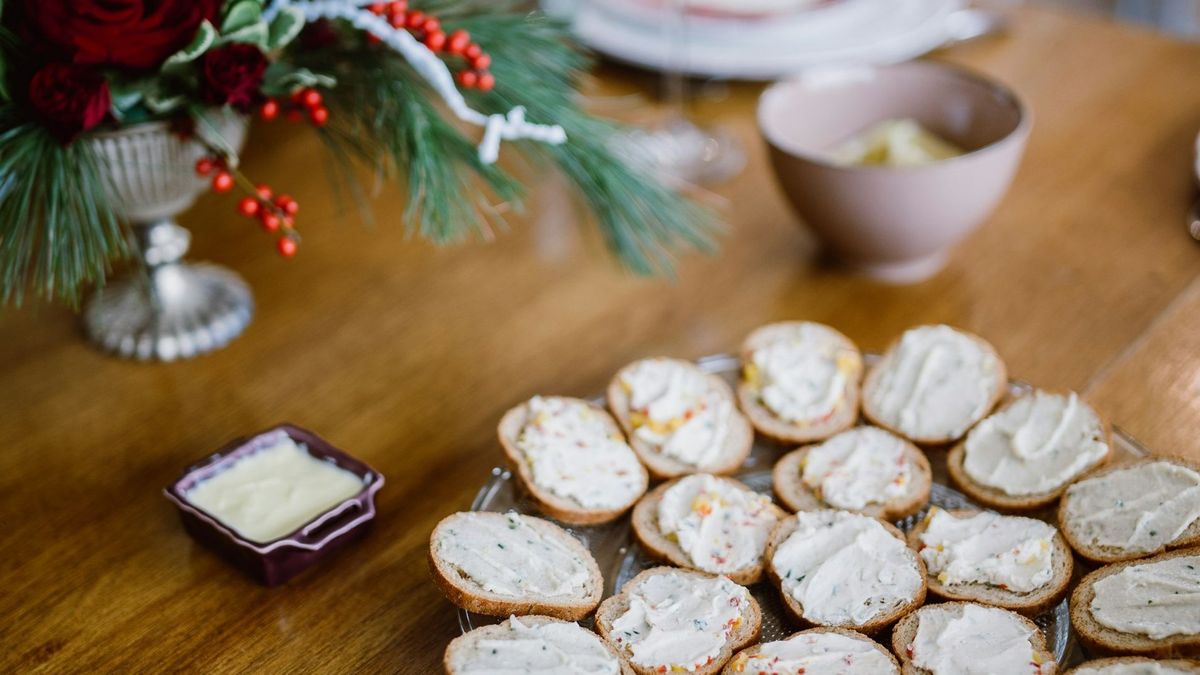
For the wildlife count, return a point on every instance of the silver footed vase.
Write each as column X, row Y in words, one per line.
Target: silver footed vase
column 166, row 308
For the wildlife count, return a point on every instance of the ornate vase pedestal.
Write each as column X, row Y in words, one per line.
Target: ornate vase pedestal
column 166, row 309
column 174, row 310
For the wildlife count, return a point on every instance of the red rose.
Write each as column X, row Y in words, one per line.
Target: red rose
column 232, row 75
column 69, row 99
column 131, row 33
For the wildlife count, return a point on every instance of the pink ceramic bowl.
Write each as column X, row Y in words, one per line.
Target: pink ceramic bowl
column 894, row 223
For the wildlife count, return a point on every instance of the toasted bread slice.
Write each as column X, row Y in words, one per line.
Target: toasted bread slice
column 770, row 424
column 905, row 634
column 787, row 479
column 796, row 610
column 1102, row 640
column 564, row 509
column 739, row 663
column 466, row 653
column 652, row 539
column 1117, row 665
column 878, row 417
column 1029, row 603
column 460, row 537
column 738, row 439
column 999, row 499
column 744, row 633
column 1102, row 553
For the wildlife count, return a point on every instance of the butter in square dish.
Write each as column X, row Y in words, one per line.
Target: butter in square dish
column 276, row 502
column 274, row 491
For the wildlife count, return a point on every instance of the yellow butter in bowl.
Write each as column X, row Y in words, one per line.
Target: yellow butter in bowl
column 895, row 142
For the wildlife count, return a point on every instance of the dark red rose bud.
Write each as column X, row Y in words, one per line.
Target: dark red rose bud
column 318, row 34
column 138, row 34
column 69, row 99
column 232, row 75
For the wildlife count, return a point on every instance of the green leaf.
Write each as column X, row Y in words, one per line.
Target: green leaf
column 125, row 101
column 3, row 78
column 240, row 15
column 208, row 129
column 282, row 79
column 285, row 27
column 254, row 34
column 129, row 93
column 159, row 104
column 205, row 37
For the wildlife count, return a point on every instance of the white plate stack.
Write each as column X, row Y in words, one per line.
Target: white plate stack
column 759, row 39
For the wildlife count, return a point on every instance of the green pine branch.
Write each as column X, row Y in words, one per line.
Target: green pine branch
column 641, row 220
column 396, row 125
column 57, row 231
column 449, row 187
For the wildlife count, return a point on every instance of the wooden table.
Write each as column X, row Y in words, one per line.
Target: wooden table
column 406, row 355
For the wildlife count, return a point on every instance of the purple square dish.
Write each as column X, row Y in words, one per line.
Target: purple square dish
column 274, row 562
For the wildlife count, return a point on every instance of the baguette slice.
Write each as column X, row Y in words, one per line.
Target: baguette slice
column 465, row 653
column 651, row 538
column 738, row 440
column 559, row 508
column 1030, row 604
column 1102, row 640
column 1001, row 501
column 872, row 383
column 1100, row 553
column 1117, row 664
column 737, row 665
column 771, row 425
column 787, row 479
column 471, row 595
column 905, row 634
column 614, row 607
column 796, row 610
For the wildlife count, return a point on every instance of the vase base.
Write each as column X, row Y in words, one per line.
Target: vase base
column 199, row 308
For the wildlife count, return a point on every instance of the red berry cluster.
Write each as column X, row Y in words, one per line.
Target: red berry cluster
column 273, row 215
column 429, row 31
column 307, row 100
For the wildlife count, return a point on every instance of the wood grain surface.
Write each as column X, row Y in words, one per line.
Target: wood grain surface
column 406, row 356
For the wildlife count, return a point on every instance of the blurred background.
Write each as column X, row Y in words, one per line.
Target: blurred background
column 1175, row 16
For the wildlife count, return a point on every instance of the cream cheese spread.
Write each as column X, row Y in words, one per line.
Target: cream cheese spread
column 802, row 376
column 1156, row 599
column 821, row 654
column 845, row 568
column 1010, row 552
column 1035, row 445
column 1139, row 509
column 524, row 648
column 976, row 640
column 1132, row 668
column 859, row 467
column 505, row 555
column 575, row 453
column 274, row 491
column 674, row 407
column 722, row 527
column 679, row 621
column 935, row 383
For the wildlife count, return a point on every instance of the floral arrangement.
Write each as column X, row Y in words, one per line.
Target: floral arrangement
column 405, row 88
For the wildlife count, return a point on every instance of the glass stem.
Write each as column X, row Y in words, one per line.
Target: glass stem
column 674, row 80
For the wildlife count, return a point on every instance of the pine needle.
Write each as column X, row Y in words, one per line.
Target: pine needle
column 57, row 229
